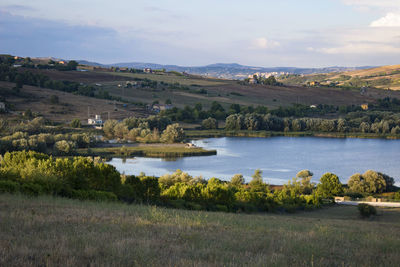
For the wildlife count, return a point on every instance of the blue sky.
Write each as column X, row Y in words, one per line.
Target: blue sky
column 308, row 33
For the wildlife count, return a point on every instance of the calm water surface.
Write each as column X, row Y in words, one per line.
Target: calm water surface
column 280, row 158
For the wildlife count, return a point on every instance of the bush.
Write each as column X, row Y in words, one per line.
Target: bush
column 9, row 187
column 31, row 189
column 93, row 195
column 76, row 123
column 366, row 210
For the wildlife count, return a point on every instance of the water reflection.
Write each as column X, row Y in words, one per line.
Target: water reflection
column 280, row 158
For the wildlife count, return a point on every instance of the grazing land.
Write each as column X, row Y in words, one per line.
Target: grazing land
column 56, row 231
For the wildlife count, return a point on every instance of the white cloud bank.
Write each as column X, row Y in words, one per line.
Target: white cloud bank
column 390, row 20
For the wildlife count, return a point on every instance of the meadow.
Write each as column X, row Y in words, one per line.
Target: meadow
column 47, row 231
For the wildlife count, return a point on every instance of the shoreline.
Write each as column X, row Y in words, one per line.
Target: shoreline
column 199, row 134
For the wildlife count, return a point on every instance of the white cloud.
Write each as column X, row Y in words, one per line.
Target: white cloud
column 365, row 41
column 390, row 20
column 362, row 48
column 264, row 43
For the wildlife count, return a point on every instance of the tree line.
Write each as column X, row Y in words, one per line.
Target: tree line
column 90, row 178
column 373, row 123
column 153, row 129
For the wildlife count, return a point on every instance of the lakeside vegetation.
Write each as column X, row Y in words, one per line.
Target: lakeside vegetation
column 58, row 231
column 157, row 151
column 35, row 174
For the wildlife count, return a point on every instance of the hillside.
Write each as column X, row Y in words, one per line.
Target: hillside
column 190, row 89
column 147, row 88
column 55, row 231
column 222, row 70
column 68, row 107
column 386, row 77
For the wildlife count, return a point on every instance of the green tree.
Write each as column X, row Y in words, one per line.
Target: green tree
column 257, row 184
column 305, row 181
column 76, row 123
column 370, row 182
column 173, row 134
column 209, row 123
column 64, row 147
column 108, row 128
column 237, row 180
column 329, row 186
column 72, row 64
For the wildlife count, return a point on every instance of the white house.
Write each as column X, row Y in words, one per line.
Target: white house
column 158, row 107
column 2, row 106
column 97, row 121
column 147, row 70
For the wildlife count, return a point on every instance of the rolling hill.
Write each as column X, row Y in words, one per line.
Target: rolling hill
column 386, row 77
column 223, row 70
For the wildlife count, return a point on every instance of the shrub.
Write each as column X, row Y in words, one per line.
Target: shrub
column 8, row 187
column 76, row 123
column 366, row 210
column 93, row 195
column 31, row 189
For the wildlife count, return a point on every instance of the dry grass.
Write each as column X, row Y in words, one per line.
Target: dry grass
column 61, row 232
column 71, row 106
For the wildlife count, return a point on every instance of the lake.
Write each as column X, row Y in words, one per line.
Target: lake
column 280, row 158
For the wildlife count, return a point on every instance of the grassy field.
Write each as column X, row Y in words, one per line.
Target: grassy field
column 70, row 106
column 48, row 231
column 158, row 151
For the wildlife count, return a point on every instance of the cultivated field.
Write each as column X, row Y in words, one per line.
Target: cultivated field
column 49, row 231
column 231, row 92
column 196, row 90
column 70, row 106
column 385, row 77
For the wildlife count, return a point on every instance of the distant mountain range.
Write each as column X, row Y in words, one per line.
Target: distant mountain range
column 223, row 70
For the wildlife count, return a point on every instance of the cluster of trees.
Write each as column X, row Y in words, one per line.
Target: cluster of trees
column 153, row 129
column 266, row 81
column 370, row 182
column 192, row 114
column 268, row 122
column 59, row 144
column 87, row 178
column 217, row 111
column 71, row 65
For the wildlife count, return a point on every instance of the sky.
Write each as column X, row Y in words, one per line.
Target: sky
column 292, row 33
